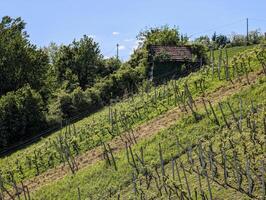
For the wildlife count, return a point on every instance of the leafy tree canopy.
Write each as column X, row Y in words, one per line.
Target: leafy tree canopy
column 21, row 115
column 20, row 61
column 164, row 35
column 82, row 58
column 204, row 39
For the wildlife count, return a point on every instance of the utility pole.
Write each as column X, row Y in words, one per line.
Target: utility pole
column 247, row 30
column 117, row 48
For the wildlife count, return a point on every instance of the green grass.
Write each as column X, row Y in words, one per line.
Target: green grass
column 98, row 180
column 232, row 51
column 92, row 130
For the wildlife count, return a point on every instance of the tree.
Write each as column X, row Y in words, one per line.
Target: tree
column 21, row 115
column 52, row 50
column 214, row 37
column 238, row 40
column 82, row 59
column 204, row 40
column 109, row 66
column 255, row 37
column 221, row 40
column 20, row 61
column 139, row 57
column 161, row 36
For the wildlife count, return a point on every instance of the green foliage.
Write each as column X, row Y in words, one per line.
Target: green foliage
column 110, row 66
column 115, row 85
column 81, row 58
column 80, row 100
column 139, row 57
column 220, row 40
column 204, row 40
column 238, row 40
column 164, row 35
column 99, row 180
column 20, row 61
column 217, row 41
column 93, row 129
column 21, row 114
column 199, row 51
column 162, row 57
column 255, row 37
column 161, row 36
column 69, row 103
column 58, row 83
column 71, row 79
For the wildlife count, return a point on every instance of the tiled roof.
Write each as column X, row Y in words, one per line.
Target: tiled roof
column 175, row 53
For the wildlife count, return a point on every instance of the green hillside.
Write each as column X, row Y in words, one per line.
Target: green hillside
column 101, row 180
column 94, row 149
column 232, row 51
column 99, row 122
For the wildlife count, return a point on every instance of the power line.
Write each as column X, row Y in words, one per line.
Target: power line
column 218, row 27
column 110, row 53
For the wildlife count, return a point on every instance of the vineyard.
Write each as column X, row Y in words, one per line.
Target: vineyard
column 198, row 137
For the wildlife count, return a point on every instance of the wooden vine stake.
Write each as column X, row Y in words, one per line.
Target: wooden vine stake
column 112, row 156
column 161, row 161
column 209, row 185
column 200, row 184
column 185, row 176
column 235, row 118
column 212, row 62
column 237, row 170
column 213, row 167
column 79, row 195
column 249, row 177
column 220, row 63
column 173, row 167
column 214, row 114
column 227, row 75
column 178, row 175
column 224, row 162
column 132, row 163
column 224, row 117
column 134, row 181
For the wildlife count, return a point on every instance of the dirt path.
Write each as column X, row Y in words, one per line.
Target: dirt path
column 143, row 131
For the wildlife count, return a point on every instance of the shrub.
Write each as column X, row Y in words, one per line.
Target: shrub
column 200, row 52
column 21, row 115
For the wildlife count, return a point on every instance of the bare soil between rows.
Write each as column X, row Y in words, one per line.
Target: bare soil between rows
column 144, row 131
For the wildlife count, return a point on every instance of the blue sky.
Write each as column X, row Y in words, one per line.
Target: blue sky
column 119, row 21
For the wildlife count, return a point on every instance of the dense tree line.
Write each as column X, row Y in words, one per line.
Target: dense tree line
column 21, row 114
column 219, row 41
column 20, row 61
column 40, row 87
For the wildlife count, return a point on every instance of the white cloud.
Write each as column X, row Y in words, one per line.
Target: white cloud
column 121, row 47
column 115, row 33
column 106, row 57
